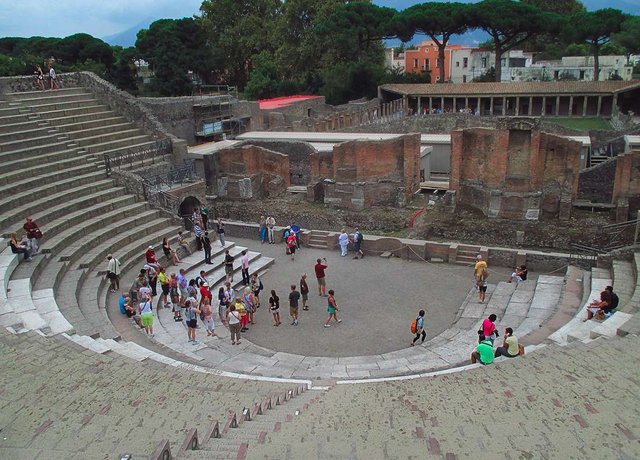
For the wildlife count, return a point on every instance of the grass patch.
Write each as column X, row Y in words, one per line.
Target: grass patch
column 583, row 124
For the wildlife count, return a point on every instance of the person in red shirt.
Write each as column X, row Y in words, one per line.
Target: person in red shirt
column 320, row 267
column 205, row 293
column 292, row 243
column 33, row 234
column 151, row 256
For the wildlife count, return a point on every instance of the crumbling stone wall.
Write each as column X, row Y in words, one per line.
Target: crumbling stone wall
column 298, row 153
column 626, row 186
column 245, row 172
column 359, row 174
column 514, row 173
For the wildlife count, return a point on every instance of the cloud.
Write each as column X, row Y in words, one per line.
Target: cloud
column 26, row 18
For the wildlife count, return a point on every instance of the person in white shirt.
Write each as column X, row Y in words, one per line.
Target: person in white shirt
column 271, row 222
column 343, row 240
column 244, row 260
column 113, row 272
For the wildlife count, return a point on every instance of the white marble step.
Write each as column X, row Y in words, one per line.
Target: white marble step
column 47, row 307
column 8, row 263
column 88, row 343
column 20, row 302
column 577, row 328
column 609, row 327
column 545, row 301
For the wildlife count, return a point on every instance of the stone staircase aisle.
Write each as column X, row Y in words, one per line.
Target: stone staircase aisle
column 319, row 239
column 52, row 144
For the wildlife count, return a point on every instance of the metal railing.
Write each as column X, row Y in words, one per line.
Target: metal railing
column 584, row 256
column 140, row 156
column 616, row 233
column 176, row 176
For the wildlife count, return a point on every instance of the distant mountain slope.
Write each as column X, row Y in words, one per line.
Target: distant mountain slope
column 128, row 37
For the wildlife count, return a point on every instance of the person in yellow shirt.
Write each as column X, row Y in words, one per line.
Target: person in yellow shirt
column 164, row 284
column 480, row 273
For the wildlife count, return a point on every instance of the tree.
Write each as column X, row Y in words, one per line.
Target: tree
column 596, row 29
column 563, row 7
column 509, row 24
column 629, row 36
column 439, row 21
column 238, row 31
column 173, row 47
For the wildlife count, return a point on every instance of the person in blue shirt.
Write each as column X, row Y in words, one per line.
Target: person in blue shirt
column 419, row 328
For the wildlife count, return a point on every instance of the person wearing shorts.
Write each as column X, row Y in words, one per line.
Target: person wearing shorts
column 228, row 265
column 294, row 298
column 274, row 307
column 292, row 243
column 146, row 315
column 304, row 291
column 332, row 309
column 319, row 268
column 191, row 315
column 233, row 319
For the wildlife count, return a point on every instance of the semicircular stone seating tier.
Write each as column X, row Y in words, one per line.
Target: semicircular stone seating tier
column 85, row 216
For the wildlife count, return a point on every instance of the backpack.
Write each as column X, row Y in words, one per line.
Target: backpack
column 414, row 326
column 614, row 301
column 359, row 238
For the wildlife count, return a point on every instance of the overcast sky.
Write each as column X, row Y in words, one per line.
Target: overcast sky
column 100, row 18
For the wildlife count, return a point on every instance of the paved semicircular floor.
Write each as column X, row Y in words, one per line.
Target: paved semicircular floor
column 379, row 299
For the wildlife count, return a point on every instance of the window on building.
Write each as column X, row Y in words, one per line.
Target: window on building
column 465, row 62
column 464, row 79
column 426, row 64
column 457, row 63
column 484, row 62
column 503, row 62
column 438, row 62
column 415, row 62
column 582, row 75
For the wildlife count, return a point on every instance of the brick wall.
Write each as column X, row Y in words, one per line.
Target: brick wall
column 298, row 153
column 360, row 174
column 513, row 173
column 626, row 187
column 596, row 183
column 246, row 172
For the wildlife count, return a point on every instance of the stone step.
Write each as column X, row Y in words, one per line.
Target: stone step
column 47, row 308
column 7, row 110
column 42, row 160
column 52, row 98
column 633, row 305
column 77, row 187
column 70, row 122
column 577, row 328
column 19, row 126
column 82, row 223
column 109, row 123
column 34, row 152
column 86, row 139
column 26, row 133
column 50, row 105
column 17, row 118
column 21, row 171
column 148, row 232
column 119, row 144
column 624, row 281
column 56, row 179
column 38, row 139
column 20, row 302
column 40, row 95
column 81, row 246
column 545, row 301
column 72, row 111
column 101, row 128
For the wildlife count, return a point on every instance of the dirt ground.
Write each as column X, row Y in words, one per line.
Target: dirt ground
column 464, row 226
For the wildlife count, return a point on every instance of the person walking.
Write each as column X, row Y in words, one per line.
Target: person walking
column 304, row 291
column 206, row 245
column 256, row 287
column 249, row 305
column 146, row 315
column 113, row 272
column 292, row 244
column 228, row 265
column 357, row 244
column 343, row 241
column 204, row 216
column 271, row 223
column 222, row 305
column 320, row 267
column 220, row 230
column 294, row 298
column 419, row 328
column 191, row 315
column 199, row 233
column 53, row 84
column 480, row 272
column 332, row 309
column 207, row 318
column 244, row 261
column 233, row 318
column 274, row 307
